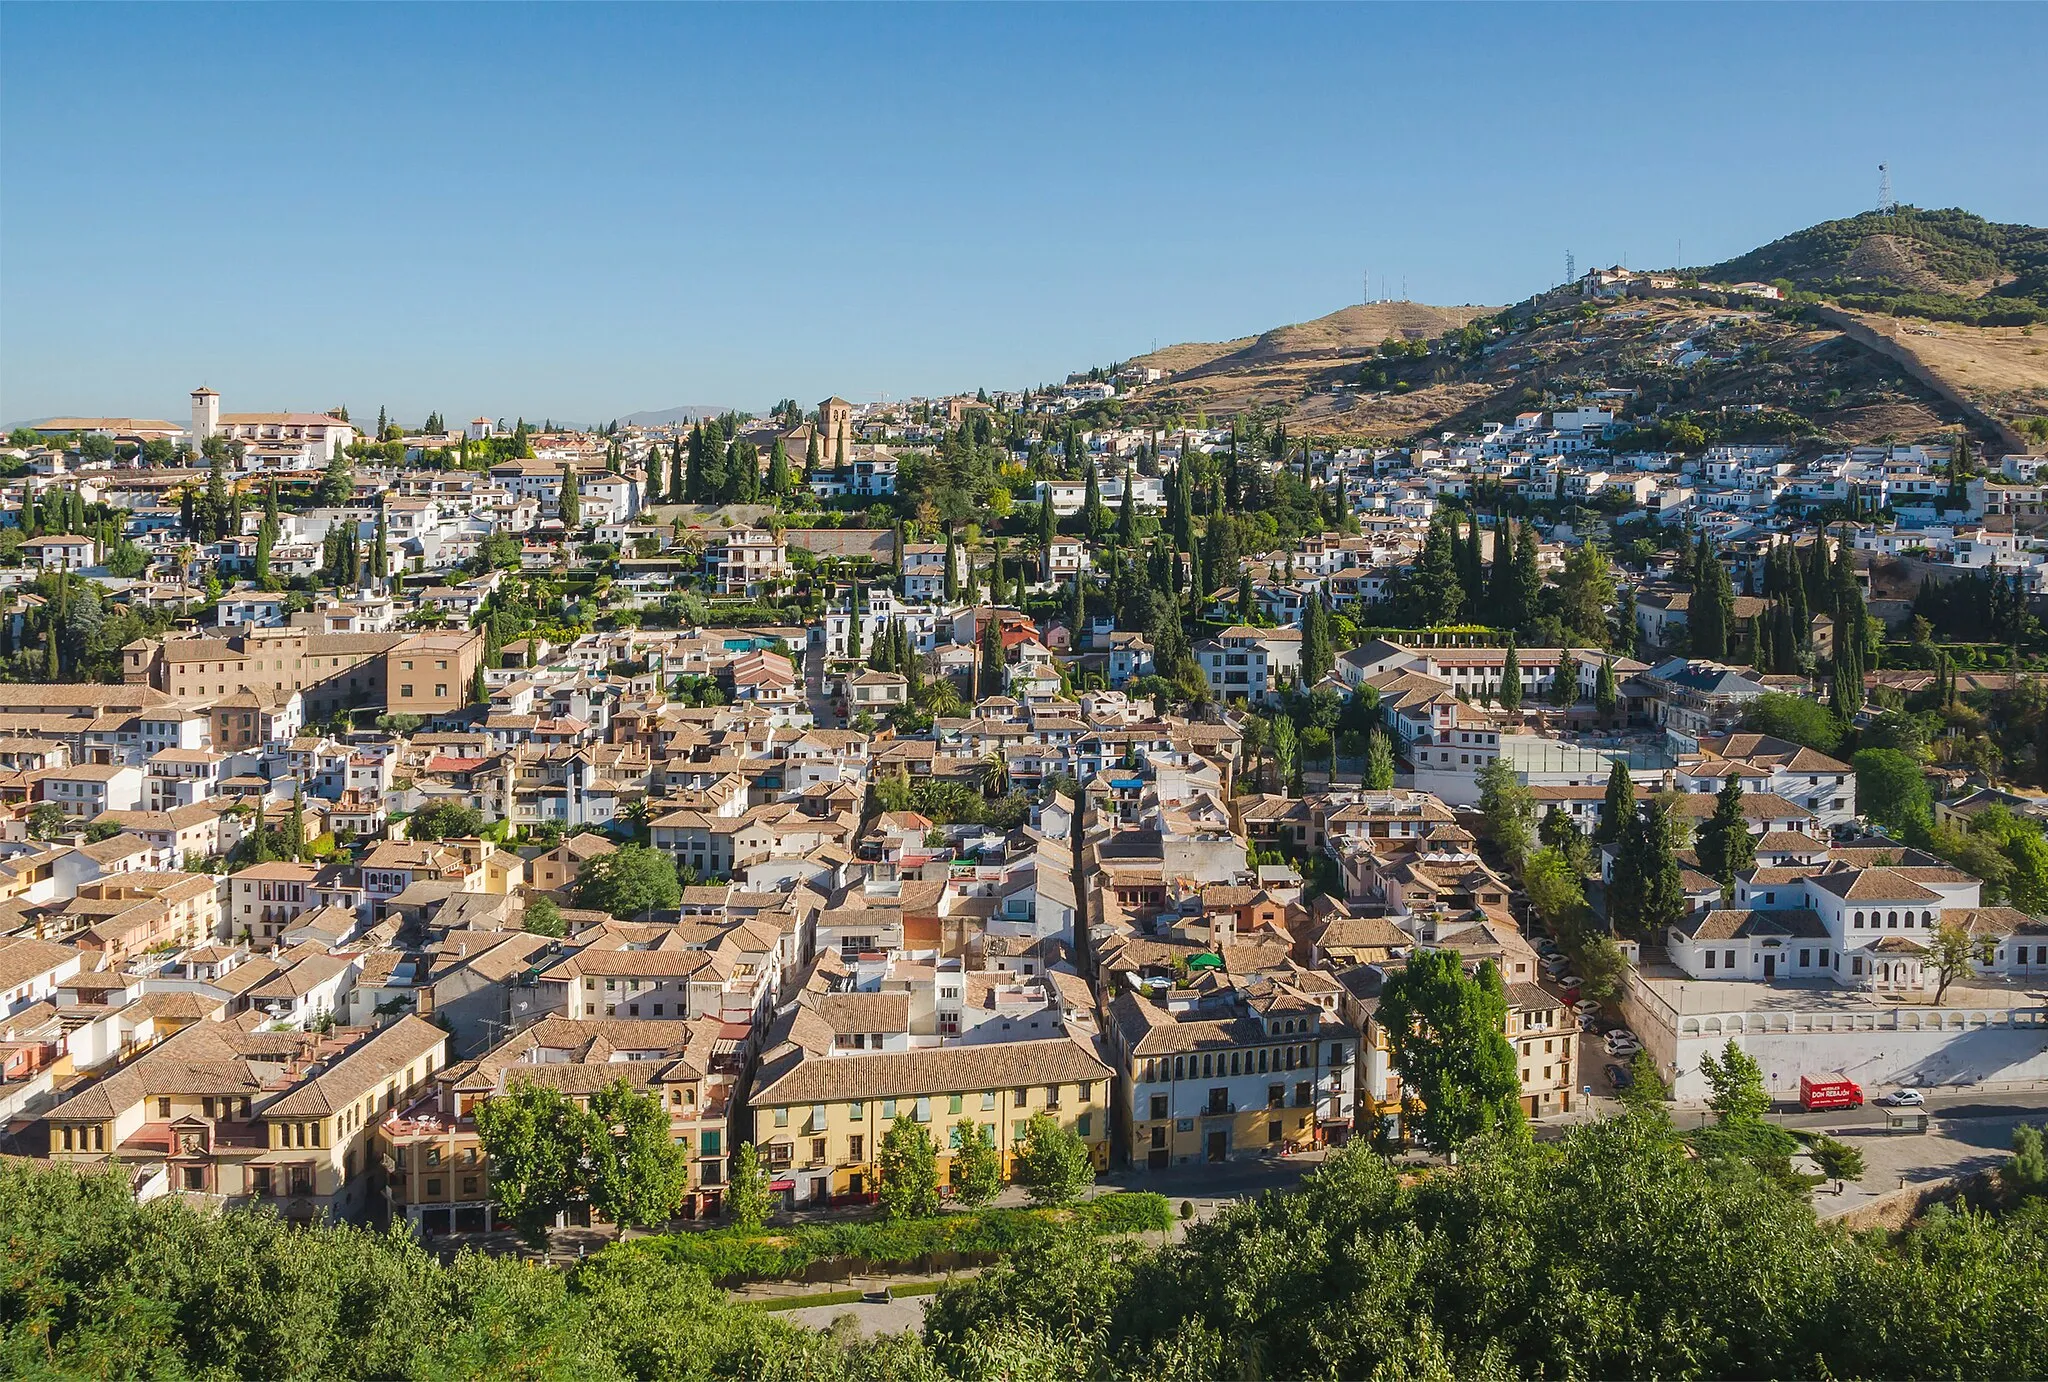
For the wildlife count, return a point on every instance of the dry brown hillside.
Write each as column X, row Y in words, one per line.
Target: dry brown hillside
column 2002, row 370
column 1355, row 330
column 1323, row 377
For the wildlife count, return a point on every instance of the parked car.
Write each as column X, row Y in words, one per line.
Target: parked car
column 1622, row 1043
column 1618, row 1076
column 1589, row 1024
column 1901, row 1098
column 1585, row 1007
column 1569, row 981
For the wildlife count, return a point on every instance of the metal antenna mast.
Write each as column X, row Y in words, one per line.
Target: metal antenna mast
column 1885, row 205
column 1571, row 268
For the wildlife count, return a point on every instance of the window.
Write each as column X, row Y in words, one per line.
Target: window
column 923, row 1112
column 708, row 1142
column 1730, row 956
column 405, row 689
column 988, row 1101
column 953, row 1103
column 1158, row 1106
column 782, row 1118
column 855, row 1147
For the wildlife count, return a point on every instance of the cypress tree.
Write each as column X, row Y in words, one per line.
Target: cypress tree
column 952, row 568
column 778, row 470
column 679, row 468
column 1619, row 807
column 853, row 623
column 259, row 839
column 1511, row 679
column 1528, row 578
column 1500, row 591
column 295, row 826
column 1724, row 844
column 1712, row 604
column 1127, row 512
column 1077, row 612
column 1315, row 641
column 1472, row 571
column 1564, row 685
column 1606, row 694
column 380, row 556
column 992, row 654
column 572, row 499
column 1247, row 602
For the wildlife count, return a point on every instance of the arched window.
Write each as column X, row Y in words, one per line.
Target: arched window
column 1927, row 918
column 1892, row 921
column 1859, row 921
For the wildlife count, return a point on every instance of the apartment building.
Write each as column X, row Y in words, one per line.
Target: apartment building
column 821, row 1108
column 244, row 1115
column 332, row 671
column 439, row 1177
column 429, row 674
column 1219, row 1070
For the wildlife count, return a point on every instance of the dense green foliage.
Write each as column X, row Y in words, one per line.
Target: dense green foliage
column 731, row 1255
column 1929, row 265
column 98, row 1286
column 1612, row 1254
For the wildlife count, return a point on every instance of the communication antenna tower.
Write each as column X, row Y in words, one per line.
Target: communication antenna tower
column 1885, row 205
column 1571, row 268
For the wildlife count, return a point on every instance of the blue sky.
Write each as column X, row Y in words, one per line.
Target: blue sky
column 582, row 211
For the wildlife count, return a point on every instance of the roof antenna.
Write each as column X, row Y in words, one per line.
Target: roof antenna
column 1885, row 205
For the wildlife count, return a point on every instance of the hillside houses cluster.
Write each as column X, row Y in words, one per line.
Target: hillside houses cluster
column 1121, row 930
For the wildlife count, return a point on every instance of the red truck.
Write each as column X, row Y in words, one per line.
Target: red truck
column 1829, row 1091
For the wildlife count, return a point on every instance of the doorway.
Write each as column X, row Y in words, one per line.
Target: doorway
column 1219, row 1146
column 1770, row 966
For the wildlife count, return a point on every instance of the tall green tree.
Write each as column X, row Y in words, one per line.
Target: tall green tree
column 1434, row 594
column 977, row 1166
column 748, row 1200
column 536, row 1138
column 1564, row 683
column 1647, row 893
column 1379, row 762
column 1711, row 613
column 572, row 499
column 1725, row 847
column 638, row 1173
column 1316, row 658
column 1447, row 1034
column 1618, row 808
column 1510, row 809
column 910, row 1170
column 1736, row 1083
column 1511, row 679
column 1053, row 1163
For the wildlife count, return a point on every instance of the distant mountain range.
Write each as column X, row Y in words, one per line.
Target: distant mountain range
column 688, row 412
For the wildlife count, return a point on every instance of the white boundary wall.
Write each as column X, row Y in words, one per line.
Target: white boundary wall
column 1918, row 1046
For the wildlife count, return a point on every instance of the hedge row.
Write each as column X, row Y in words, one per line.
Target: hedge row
column 731, row 1255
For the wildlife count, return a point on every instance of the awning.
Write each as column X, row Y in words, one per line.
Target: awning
column 782, row 1185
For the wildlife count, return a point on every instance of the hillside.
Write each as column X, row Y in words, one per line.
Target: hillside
column 666, row 417
column 1858, row 361
column 1355, row 330
column 1950, row 265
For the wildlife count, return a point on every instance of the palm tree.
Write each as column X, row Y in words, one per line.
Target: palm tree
column 995, row 774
